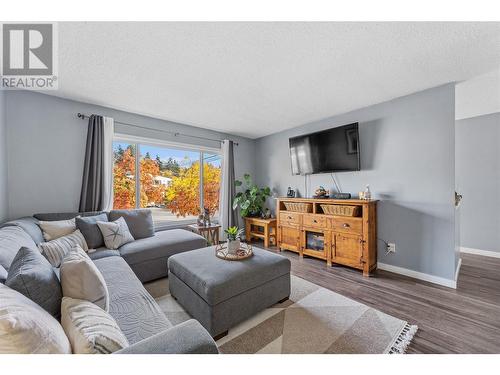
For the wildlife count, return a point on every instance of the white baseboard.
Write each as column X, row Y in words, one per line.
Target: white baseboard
column 419, row 275
column 457, row 271
column 485, row 253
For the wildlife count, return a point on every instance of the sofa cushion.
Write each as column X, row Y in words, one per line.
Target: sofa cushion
column 32, row 275
column 134, row 309
column 102, row 252
column 65, row 215
column 26, row 328
column 88, row 226
column 81, row 279
column 140, row 222
column 3, row 274
column 12, row 238
column 216, row 280
column 30, row 226
column 90, row 329
column 162, row 245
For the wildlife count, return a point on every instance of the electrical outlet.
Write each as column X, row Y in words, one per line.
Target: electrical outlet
column 391, row 248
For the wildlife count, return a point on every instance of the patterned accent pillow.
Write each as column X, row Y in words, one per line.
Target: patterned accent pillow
column 90, row 329
column 55, row 250
column 55, row 229
column 115, row 233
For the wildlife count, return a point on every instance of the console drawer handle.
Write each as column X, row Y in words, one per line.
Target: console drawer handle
column 289, row 218
column 346, row 225
column 315, row 221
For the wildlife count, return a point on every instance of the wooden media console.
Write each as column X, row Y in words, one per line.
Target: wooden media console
column 307, row 227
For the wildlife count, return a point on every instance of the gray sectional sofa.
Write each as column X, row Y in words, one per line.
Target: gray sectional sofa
column 147, row 256
column 134, row 309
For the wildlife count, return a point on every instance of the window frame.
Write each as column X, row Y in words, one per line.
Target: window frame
column 137, row 141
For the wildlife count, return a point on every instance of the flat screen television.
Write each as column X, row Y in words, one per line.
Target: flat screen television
column 332, row 150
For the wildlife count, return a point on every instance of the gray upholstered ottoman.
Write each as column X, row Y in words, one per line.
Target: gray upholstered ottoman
column 220, row 293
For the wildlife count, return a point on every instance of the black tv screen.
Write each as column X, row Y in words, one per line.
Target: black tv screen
column 332, row 150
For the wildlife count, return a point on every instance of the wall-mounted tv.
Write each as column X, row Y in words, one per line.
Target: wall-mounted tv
column 332, row 150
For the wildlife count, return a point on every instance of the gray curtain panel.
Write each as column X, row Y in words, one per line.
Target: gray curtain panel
column 227, row 190
column 92, row 195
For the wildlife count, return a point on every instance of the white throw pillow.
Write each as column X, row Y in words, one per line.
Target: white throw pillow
column 55, row 250
column 115, row 233
column 55, row 229
column 90, row 329
column 26, row 328
column 81, row 279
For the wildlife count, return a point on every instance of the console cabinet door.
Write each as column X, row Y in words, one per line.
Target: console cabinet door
column 289, row 238
column 316, row 250
column 347, row 249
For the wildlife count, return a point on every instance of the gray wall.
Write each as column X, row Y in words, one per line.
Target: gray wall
column 407, row 156
column 46, row 144
column 3, row 160
column 478, row 179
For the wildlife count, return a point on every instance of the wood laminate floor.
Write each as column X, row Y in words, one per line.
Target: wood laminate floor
column 465, row 320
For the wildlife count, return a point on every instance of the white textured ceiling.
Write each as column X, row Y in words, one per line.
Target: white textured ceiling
column 254, row 79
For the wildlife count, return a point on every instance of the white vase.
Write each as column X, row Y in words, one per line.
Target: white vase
column 233, row 246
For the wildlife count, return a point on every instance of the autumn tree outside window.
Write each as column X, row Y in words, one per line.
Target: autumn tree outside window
column 174, row 183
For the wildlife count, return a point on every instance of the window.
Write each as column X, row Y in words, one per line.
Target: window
column 211, row 182
column 124, row 175
column 166, row 180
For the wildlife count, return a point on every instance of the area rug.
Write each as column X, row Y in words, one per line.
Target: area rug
column 314, row 320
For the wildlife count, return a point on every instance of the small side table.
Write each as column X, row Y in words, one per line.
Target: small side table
column 260, row 228
column 211, row 233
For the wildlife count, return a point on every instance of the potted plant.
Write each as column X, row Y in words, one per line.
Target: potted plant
column 251, row 201
column 233, row 239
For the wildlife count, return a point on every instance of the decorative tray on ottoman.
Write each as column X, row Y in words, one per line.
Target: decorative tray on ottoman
column 244, row 252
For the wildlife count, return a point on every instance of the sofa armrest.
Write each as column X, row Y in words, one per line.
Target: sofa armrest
column 186, row 338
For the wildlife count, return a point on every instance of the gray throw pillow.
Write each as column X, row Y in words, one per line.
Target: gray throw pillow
column 90, row 230
column 140, row 222
column 32, row 275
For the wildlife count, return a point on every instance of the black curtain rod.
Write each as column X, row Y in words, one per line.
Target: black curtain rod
column 175, row 134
